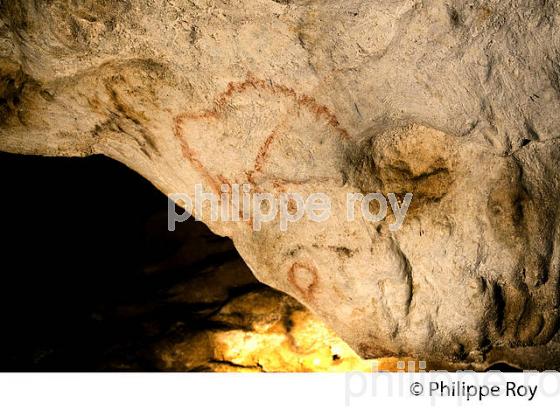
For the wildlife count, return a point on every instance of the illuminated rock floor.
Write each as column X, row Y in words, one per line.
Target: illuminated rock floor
column 261, row 330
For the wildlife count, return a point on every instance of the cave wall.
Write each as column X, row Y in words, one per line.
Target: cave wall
column 453, row 101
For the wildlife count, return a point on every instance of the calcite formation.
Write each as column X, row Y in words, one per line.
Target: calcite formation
column 455, row 102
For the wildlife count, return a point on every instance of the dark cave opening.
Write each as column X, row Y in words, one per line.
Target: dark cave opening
column 74, row 240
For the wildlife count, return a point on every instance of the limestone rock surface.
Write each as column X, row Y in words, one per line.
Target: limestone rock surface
column 454, row 101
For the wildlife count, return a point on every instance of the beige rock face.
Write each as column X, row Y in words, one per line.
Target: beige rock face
column 455, row 102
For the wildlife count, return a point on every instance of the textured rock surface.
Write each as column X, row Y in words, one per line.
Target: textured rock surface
column 454, row 101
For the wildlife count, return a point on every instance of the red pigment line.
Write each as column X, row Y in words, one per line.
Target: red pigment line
column 308, row 292
column 232, row 88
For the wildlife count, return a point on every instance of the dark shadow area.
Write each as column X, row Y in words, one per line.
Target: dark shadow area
column 81, row 240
